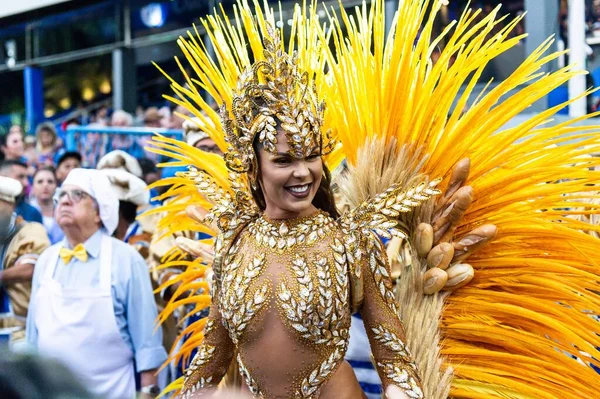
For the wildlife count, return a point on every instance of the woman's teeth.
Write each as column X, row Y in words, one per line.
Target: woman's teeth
column 299, row 189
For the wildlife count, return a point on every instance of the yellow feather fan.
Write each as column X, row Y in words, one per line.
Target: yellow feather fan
column 511, row 332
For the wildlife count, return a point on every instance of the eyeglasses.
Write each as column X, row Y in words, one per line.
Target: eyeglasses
column 213, row 149
column 75, row 196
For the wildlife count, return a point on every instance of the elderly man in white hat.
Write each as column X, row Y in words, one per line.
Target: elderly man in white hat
column 92, row 304
column 20, row 245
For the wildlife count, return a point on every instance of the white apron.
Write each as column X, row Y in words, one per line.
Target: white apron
column 78, row 327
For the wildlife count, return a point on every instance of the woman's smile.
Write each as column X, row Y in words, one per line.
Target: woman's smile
column 299, row 191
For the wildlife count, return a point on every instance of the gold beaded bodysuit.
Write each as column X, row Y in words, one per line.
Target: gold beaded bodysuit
column 284, row 306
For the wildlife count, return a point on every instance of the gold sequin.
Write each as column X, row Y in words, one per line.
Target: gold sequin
column 320, row 319
column 252, row 385
column 400, row 376
column 311, row 384
column 237, row 308
column 285, row 235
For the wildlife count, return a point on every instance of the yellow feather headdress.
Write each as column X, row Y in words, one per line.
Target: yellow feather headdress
column 271, row 93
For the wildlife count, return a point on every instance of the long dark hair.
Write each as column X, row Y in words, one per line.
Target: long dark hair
column 323, row 199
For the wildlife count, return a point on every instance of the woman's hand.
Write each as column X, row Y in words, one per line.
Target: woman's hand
column 393, row 392
column 196, row 248
column 436, row 242
column 193, row 247
column 198, row 213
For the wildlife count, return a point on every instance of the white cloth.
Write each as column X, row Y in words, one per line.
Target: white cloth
column 128, row 187
column 119, row 159
column 97, row 185
column 9, row 189
column 193, row 137
column 134, row 306
column 192, row 130
column 78, row 327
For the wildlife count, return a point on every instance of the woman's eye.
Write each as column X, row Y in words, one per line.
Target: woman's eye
column 282, row 161
column 314, row 156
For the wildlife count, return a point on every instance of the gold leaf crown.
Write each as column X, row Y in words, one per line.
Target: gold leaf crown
column 273, row 93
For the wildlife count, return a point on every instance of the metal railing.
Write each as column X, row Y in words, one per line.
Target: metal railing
column 94, row 142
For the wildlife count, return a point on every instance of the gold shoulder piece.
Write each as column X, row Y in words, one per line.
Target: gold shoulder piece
column 231, row 211
column 230, row 208
column 380, row 215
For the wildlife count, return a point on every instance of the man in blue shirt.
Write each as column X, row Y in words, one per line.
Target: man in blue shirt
column 92, row 305
column 18, row 170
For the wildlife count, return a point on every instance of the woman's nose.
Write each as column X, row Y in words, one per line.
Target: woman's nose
column 301, row 170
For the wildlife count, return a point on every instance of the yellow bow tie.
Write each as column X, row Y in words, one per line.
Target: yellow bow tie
column 79, row 252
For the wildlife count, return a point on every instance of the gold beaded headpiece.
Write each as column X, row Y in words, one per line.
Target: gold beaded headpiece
column 271, row 93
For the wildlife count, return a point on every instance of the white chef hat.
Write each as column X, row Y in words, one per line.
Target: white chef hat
column 118, row 159
column 128, row 187
column 9, row 189
column 96, row 185
column 192, row 131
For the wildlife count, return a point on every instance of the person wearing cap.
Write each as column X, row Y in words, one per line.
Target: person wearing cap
column 152, row 117
column 125, row 175
column 67, row 161
column 18, row 170
column 92, row 304
column 20, row 245
column 137, row 231
column 195, row 137
column 161, row 245
column 133, row 194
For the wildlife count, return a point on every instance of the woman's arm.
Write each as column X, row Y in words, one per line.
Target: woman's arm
column 393, row 360
column 213, row 357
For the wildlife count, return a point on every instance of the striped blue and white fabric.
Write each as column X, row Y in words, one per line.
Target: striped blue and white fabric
column 359, row 357
column 5, row 306
column 5, row 313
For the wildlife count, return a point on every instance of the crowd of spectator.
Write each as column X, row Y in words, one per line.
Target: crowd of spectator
column 92, row 145
column 53, row 200
column 41, row 161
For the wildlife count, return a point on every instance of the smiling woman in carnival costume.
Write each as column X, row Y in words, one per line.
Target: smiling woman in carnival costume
column 288, row 272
